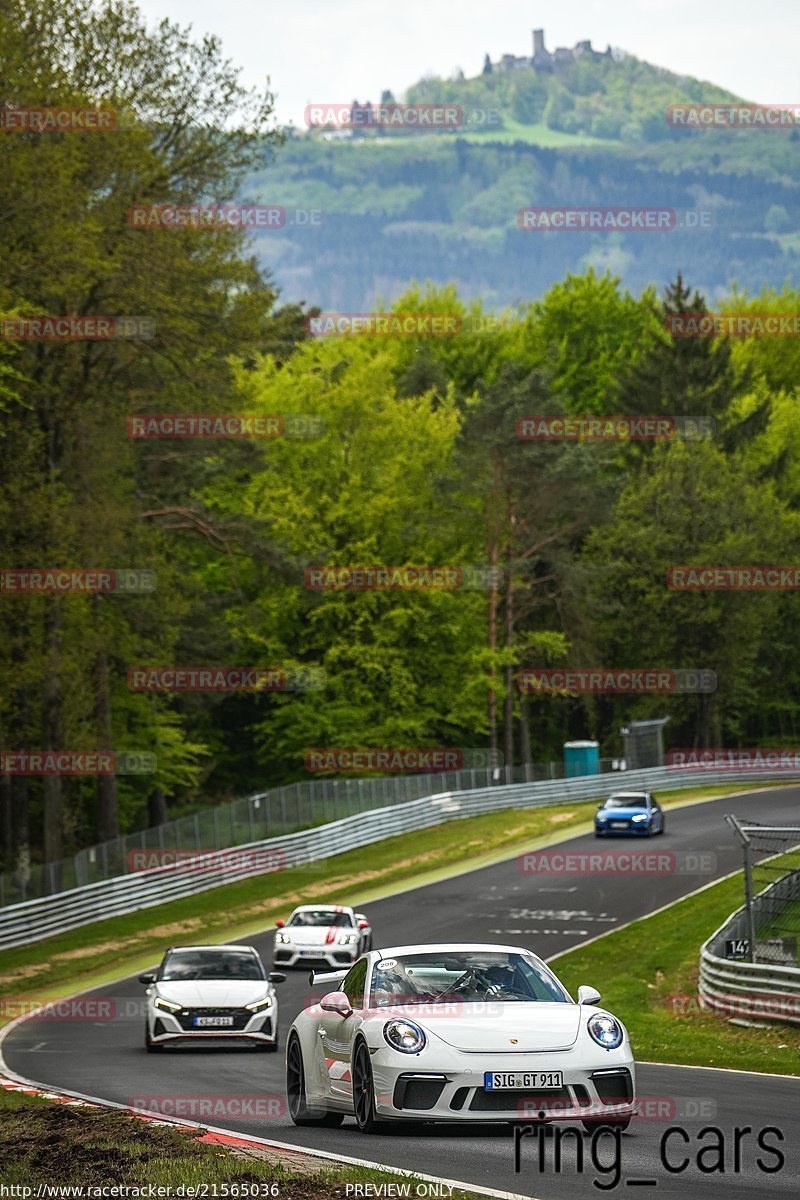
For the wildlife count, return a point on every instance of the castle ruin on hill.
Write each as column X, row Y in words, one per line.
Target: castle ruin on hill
column 545, row 60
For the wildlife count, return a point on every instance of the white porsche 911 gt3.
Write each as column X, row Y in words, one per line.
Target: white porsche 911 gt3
column 457, row 1033
column 330, row 934
column 203, row 993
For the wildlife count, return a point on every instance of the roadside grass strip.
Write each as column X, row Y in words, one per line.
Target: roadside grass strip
column 54, row 1144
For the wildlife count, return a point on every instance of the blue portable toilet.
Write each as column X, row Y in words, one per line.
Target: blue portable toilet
column 581, row 758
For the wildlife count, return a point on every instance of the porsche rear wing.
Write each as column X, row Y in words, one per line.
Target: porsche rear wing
column 326, row 976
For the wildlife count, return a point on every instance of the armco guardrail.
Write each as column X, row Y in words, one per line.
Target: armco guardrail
column 269, row 814
column 746, row 990
column 752, row 990
column 33, row 920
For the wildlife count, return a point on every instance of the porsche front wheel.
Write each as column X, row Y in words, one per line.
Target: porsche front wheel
column 364, row 1092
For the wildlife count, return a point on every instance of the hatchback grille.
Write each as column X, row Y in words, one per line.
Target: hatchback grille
column 186, row 1019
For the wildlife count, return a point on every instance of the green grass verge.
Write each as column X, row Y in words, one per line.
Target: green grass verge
column 106, row 950
column 42, row 1142
column 640, row 969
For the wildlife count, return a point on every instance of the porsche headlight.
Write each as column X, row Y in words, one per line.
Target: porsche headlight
column 605, row 1030
column 404, row 1036
column 167, row 1005
column 259, row 1005
column 348, row 939
column 283, row 939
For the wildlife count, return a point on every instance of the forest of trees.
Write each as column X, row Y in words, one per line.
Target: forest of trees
column 415, row 459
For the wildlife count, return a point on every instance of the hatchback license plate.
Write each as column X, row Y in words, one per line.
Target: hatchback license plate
column 216, row 1022
column 619, row 824
column 515, row 1081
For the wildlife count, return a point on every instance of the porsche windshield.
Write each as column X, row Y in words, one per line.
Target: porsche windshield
column 464, row 976
column 185, row 965
column 322, row 918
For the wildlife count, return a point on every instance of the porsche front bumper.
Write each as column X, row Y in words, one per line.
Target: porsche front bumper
column 602, row 1085
column 333, row 956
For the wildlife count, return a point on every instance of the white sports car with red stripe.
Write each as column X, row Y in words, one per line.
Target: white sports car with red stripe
column 328, row 935
column 457, row 1033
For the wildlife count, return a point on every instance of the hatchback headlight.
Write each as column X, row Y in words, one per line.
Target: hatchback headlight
column 405, row 1036
column 283, row 939
column 640, row 817
column 259, row 1005
column 605, row 1030
column 167, row 1005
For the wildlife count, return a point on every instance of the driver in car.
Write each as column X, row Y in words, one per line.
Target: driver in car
column 498, row 979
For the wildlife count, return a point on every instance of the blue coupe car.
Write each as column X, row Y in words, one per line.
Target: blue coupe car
column 635, row 813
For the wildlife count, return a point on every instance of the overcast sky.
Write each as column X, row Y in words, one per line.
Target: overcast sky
column 340, row 50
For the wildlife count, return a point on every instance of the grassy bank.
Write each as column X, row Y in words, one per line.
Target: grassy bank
column 656, row 993
column 42, row 1143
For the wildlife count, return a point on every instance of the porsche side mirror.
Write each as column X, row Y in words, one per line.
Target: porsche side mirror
column 148, row 978
column 277, row 977
column 336, row 1002
column 279, row 924
column 363, row 924
column 587, row 995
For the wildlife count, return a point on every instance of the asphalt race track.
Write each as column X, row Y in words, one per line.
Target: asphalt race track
column 500, row 903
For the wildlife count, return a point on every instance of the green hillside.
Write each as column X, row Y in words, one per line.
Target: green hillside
column 597, row 96
column 394, row 207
